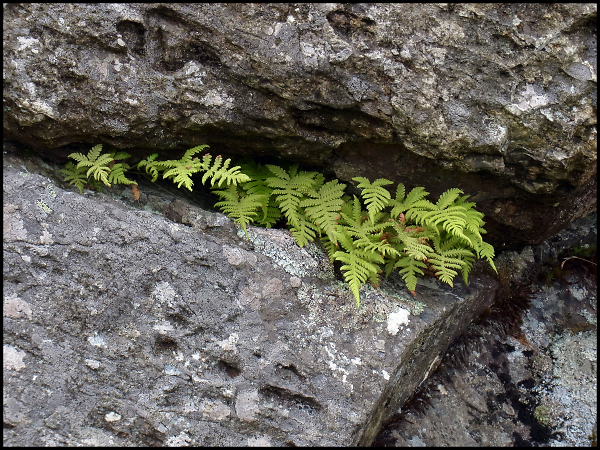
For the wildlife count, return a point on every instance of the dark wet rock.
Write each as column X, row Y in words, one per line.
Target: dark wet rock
column 498, row 100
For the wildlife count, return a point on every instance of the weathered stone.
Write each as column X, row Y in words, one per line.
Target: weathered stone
column 496, row 99
column 535, row 385
column 125, row 328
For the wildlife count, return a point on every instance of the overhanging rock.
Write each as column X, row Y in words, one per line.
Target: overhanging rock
column 498, row 100
column 122, row 327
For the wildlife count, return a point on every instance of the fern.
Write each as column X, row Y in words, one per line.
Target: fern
column 324, row 207
column 289, row 190
column 117, row 174
column 219, row 172
column 359, row 264
column 400, row 204
column 98, row 164
column 409, row 268
column 75, row 176
column 240, row 205
column 181, row 170
column 406, row 233
column 102, row 167
column 152, row 167
column 306, row 232
column 376, row 197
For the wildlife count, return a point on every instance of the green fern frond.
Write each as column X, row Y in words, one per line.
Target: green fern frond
column 400, row 204
column 152, row 166
column 121, row 155
column 412, row 242
column 352, row 220
column 290, row 189
column 257, row 185
column 75, row 176
column 324, row 208
column 305, row 233
column 243, row 208
column 117, row 174
column 98, row 164
column 91, row 156
column 446, row 267
column 181, row 175
column 182, row 169
column 330, row 247
column 409, row 268
column 448, row 198
column 375, row 196
column 270, row 213
column 487, row 252
column 360, row 265
column 258, row 174
column 452, row 219
column 218, row 173
column 382, row 247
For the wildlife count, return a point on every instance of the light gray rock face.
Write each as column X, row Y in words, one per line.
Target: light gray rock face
column 498, row 100
column 122, row 327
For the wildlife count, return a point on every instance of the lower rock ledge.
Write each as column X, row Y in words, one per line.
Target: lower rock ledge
column 128, row 329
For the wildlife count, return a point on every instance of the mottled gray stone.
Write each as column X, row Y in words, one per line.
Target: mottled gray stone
column 123, row 327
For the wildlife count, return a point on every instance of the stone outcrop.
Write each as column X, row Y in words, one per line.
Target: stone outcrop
column 496, row 99
column 125, row 327
column 524, row 375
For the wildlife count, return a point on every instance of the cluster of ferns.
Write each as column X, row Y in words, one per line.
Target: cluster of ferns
column 372, row 234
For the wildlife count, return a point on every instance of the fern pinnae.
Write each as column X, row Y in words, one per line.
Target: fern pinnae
column 384, row 248
column 400, row 204
column 91, row 156
column 75, row 176
column 152, row 166
column 409, row 268
column 182, row 169
column 448, row 198
column 117, row 174
column 289, row 190
column 376, row 197
column 305, row 233
column 324, row 208
column 211, row 169
column 98, row 164
column 231, row 176
column 243, row 208
column 359, row 266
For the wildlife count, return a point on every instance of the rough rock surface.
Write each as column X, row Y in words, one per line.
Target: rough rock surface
column 122, row 327
column 533, row 383
column 504, row 94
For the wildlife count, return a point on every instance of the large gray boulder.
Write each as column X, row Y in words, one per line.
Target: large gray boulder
column 122, row 327
column 496, row 99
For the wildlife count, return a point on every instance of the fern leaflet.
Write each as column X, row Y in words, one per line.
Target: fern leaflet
column 376, row 197
column 324, row 208
column 359, row 265
column 152, row 166
column 117, row 174
column 290, row 189
column 75, row 176
column 98, row 164
column 239, row 205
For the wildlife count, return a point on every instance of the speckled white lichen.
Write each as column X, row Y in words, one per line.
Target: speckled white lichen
column 112, row 417
column 397, row 319
column 572, row 389
column 281, row 247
